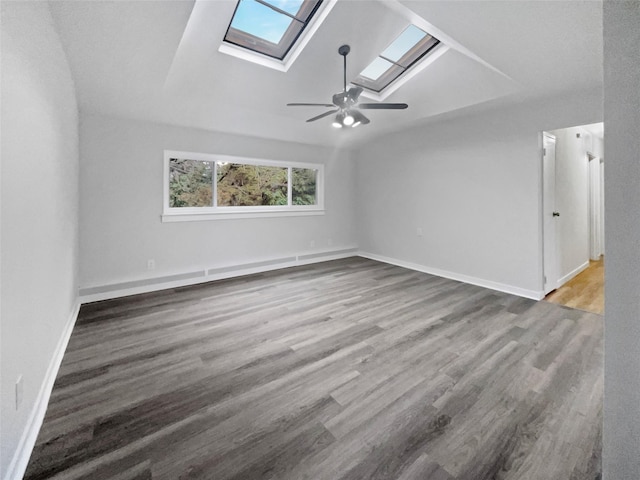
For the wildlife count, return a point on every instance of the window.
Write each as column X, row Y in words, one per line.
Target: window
column 251, row 185
column 270, row 27
column 190, row 183
column 201, row 186
column 404, row 52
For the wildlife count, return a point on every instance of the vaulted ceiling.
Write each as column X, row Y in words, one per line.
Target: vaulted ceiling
column 159, row 61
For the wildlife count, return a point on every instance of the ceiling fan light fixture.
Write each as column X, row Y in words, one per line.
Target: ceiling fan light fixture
column 359, row 118
column 336, row 124
column 339, row 121
column 348, row 120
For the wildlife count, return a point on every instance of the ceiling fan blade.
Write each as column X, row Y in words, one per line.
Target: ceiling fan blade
column 354, row 93
column 322, row 115
column 382, row 106
column 310, row 105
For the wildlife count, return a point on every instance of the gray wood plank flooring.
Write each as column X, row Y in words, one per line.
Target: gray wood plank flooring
column 350, row 369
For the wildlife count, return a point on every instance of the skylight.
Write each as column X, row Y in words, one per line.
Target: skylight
column 376, row 68
column 405, row 51
column 270, row 27
column 401, row 45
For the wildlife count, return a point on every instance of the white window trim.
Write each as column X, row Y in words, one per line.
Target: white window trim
column 186, row 214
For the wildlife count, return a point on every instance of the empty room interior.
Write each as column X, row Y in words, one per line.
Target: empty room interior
column 320, row 239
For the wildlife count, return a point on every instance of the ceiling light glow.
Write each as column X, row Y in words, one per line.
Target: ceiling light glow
column 348, row 120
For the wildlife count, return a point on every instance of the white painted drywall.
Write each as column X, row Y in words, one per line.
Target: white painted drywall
column 594, row 142
column 121, row 203
column 597, row 146
column 572, row 200
column 599, row 150
column 473, row 185
column 39, row 208
column 621, row 459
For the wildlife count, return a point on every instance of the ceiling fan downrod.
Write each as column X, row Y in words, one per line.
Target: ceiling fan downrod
column 344, row 51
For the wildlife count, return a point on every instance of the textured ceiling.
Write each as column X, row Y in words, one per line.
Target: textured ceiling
column 159, row 61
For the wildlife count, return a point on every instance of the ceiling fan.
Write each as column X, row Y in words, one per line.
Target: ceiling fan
column 345, row 104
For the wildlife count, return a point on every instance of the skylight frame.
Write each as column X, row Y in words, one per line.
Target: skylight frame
column 259, row 46
column 398, row 68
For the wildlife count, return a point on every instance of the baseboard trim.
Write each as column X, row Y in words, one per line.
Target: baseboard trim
column 573, row 273
column 20, row 459
column 501, row 287
column 123, row 289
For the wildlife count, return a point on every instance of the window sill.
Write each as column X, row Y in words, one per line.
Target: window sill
column 201, row 217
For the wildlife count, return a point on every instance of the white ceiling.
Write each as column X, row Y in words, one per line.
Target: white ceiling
column 159, row 61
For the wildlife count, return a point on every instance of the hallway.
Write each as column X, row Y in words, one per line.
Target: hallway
column 585, row 291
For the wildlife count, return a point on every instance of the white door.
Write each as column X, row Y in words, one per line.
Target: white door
column 550, row 215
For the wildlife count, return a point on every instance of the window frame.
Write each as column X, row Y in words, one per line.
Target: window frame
column 282, row 65
column 178, row 214
column 264, row 47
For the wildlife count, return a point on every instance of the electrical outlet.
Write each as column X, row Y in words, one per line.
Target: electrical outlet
column 312, row 243
column 419, row 232
column 151, row 264
column 19, row 391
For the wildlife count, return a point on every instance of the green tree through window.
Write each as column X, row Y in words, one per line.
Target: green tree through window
column 303, row 186
column 251, row 185
column 212, row 184
column 190, row 183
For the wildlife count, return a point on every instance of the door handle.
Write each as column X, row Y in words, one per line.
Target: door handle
column 556, row 214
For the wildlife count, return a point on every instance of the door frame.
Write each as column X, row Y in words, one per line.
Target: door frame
column 550, row 264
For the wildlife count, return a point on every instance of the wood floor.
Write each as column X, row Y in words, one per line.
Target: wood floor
column 350, row 369
column 584, row 291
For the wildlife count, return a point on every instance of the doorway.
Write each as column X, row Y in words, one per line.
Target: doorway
column 596, row 206
column 550, row 253
column 573, row 216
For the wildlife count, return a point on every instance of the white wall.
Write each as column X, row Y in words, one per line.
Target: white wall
column 572, row 200
column 598, row 150
column 121, row 203
column 622, row 277
column 39, row 214
column 473, row 185
column 597, row 146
